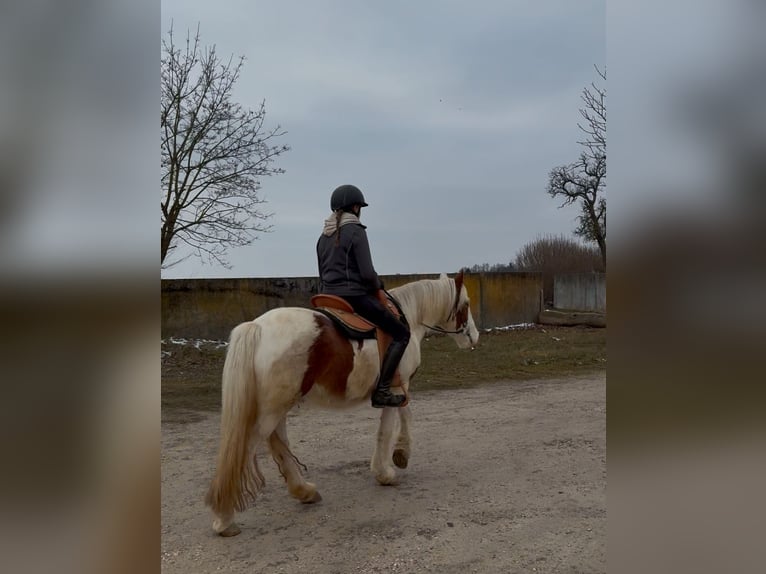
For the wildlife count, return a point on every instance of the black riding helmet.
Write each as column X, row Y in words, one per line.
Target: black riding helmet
column 345, row 196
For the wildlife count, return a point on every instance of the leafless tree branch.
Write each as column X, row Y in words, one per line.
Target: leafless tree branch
column 214, row 152
column 584, row 181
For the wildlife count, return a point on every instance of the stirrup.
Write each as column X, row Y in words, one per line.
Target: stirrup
column 387, row 399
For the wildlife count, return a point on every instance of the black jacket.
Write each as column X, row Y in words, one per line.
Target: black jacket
column 346, row 269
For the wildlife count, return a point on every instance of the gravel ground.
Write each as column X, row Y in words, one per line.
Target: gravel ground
column 503, row 477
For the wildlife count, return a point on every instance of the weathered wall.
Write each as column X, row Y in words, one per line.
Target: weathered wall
column 580, row 291
column 210, row 308
column 508, row 298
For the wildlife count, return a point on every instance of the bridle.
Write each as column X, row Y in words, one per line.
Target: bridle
column 462, row 329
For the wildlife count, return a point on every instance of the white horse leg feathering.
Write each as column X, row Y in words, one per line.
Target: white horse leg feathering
column 289, row 466
column 381, row 459
column 401, row 456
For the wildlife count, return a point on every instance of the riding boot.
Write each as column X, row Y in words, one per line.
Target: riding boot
column 382, row 396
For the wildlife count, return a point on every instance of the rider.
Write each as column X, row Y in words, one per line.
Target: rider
column 346, row 270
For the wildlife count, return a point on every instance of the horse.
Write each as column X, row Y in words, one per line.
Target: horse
column 294, row 354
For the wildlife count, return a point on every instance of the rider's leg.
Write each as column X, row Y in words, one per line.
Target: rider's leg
column 371, row 309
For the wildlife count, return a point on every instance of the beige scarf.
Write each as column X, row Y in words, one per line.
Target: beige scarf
column 331, row 223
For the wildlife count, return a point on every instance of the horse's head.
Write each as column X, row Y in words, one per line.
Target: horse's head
column 460, row 325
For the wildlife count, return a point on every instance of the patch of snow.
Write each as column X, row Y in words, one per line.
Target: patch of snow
column 196, row 343
column 516, row 327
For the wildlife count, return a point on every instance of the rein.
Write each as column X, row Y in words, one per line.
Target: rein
column 460, row 331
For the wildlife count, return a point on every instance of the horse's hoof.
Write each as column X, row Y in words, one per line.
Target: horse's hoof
column 387, row 479
column 401, row 458
column 231, row 530
column 316, row 497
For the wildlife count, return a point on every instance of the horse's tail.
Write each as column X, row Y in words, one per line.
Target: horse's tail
column 237, row 479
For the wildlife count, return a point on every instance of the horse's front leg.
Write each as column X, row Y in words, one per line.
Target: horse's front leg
column 403, row 443
column 381, row 460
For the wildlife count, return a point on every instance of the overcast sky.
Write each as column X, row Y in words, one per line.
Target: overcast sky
column 448, row 115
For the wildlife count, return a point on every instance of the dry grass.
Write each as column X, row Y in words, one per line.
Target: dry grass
column 191, row 377
column 534, row 353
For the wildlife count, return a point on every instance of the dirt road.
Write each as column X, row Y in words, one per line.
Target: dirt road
column 506, row 477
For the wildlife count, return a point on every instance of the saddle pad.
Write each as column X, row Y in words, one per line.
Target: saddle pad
column 352, row 325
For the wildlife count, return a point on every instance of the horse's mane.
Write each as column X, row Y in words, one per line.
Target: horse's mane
column 426, row 299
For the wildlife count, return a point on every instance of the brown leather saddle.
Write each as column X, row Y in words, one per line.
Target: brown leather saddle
column 355, row 326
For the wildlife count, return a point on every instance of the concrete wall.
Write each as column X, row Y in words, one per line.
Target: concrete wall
column 580, row 291
column 502, row 299
column 210, row 308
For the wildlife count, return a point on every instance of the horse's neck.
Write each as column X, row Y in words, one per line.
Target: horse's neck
column 425, row 301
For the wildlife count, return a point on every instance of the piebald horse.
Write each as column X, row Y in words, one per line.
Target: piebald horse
column 292, row 354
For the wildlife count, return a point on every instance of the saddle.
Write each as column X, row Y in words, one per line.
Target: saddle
column 356, row 327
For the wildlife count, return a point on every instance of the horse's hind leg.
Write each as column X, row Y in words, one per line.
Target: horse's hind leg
column 402, row 449
column 289, row 466
column 381, row 459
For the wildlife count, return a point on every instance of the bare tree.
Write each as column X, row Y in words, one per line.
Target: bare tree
column 557, row 254
column 487, row 268
column 584, row 181
column 214, row 152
